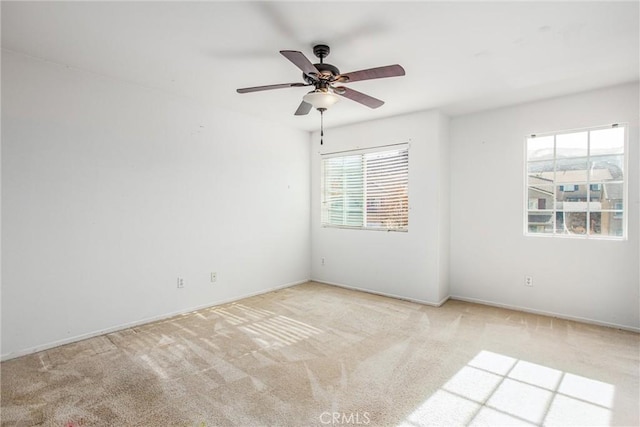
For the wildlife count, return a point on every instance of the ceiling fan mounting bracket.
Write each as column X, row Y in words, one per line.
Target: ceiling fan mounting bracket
column 321, row 51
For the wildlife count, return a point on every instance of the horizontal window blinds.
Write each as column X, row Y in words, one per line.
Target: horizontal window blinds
column 367, row 190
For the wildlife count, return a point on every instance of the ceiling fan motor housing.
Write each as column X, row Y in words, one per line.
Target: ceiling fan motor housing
column 325, row 72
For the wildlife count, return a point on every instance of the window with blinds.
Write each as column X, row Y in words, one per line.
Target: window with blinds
column 366, row 189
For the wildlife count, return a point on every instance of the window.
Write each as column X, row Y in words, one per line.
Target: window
column 568, row 188
column 618, row 213
column 366, row 189
column 576, row 183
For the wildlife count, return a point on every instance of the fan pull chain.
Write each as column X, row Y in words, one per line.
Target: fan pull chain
column 321, row 125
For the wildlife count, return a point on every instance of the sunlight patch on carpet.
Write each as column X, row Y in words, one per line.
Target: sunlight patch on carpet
column 494, row 389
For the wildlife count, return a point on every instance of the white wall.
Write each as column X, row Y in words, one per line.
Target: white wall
column 110, row 191
column 410, row 265
column 595, row 280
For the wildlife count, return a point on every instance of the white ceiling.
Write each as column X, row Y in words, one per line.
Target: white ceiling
column 459, row 57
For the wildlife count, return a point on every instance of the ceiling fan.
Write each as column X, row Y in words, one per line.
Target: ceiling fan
column 327, row 81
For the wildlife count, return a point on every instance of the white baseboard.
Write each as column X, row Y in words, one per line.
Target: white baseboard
column 546, row 313
column 489, row 303
column 140, row 322
column 384, row 294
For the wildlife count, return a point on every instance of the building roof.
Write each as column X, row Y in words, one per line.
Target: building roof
column 575, row 176
column 539, row 219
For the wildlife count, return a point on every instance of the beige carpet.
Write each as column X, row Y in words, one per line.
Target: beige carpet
column 320, row 355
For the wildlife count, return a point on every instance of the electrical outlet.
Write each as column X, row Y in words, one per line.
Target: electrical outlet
column 180, row 282
column 528, row 281
column 322, row 261
column 214, row 277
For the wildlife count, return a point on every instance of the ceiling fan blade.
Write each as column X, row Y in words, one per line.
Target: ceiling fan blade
column 360, row 97
column 269, row 87
column 300, row 61
column 303, row 109
column 372, row 73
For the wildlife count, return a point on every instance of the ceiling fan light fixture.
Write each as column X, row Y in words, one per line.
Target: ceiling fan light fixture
column 321, row 99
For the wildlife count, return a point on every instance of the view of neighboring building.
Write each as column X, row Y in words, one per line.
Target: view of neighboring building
column 581, row 192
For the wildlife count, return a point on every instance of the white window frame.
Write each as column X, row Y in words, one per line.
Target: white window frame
column 625, row 183
column 361, row 152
